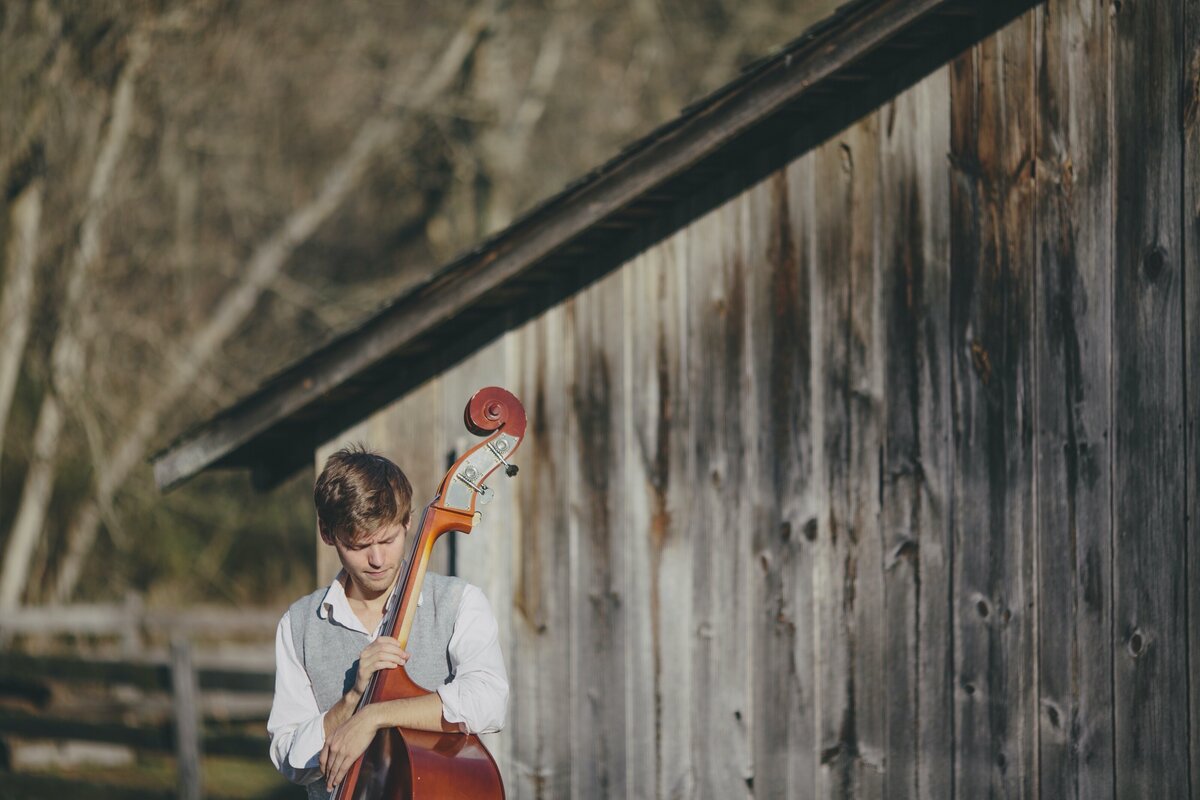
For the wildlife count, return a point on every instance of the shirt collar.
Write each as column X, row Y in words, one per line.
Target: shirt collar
column 335, row 605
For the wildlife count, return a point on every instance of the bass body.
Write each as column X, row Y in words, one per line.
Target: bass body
column 405, row 764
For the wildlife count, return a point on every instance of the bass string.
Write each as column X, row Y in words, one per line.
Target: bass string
column 388, row 624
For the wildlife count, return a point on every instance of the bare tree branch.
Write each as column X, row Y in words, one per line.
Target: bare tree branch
column 35, row 498
column 16, row 306
column 265, row 266
column 67, row 353
column 505, row 148
column 35, row 121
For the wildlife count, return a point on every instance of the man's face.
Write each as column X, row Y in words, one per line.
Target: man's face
column 372, row 562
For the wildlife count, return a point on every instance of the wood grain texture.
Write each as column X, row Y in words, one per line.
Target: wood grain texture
column 1191, row 318
column 783, row 522
column 914, row 277
column 599, row 602
column 877, row 480
column 754, row 114
column 720, row 650
column 659, row 520
column 1149, row 643
column 850, row 730
column 863, row 395
column 831, row 298
column 541, row 598
column 1074, row 411
column 991, row 373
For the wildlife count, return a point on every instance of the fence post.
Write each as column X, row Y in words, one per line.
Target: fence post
column 187, row 720
column 131, row 631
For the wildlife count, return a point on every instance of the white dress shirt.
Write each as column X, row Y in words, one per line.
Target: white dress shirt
column 477, row 698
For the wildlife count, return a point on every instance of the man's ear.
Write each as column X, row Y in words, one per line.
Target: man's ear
column 325, row 537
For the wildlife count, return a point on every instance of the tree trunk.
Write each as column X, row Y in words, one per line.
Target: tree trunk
column 266, row 264
column 17, row 303
column 35, row 498
column 66, row 356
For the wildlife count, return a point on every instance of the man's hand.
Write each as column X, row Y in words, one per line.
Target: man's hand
column 351, row 737
column 345, row 745
column 383, row 653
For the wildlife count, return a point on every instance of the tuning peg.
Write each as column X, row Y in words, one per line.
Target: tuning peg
column 498, row 451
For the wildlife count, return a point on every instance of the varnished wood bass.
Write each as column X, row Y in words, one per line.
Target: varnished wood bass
column 403, row 764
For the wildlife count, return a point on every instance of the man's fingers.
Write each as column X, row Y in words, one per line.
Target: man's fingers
column 340, row 768
column 333, row 774
column 384, row 645
column 383, row 662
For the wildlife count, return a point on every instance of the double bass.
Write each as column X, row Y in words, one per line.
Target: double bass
column 404, row 764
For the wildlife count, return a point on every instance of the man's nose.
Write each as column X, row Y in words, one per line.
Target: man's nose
column 375, row 555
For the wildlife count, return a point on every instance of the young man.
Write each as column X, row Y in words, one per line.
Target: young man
column 328, row 644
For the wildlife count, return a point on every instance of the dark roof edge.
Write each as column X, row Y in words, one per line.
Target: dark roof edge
column 699, row 134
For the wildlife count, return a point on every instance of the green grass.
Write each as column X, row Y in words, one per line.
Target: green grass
column 225, row 778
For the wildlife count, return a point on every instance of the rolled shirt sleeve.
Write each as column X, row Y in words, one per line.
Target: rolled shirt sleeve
column 296, row 725
column 477, row 698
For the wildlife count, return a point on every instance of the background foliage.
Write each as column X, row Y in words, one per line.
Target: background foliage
column 197, row 192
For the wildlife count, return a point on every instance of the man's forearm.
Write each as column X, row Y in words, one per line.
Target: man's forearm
column 422, row 713
column 341, row 711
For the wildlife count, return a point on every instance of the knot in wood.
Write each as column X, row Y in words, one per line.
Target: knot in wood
column 1138, row 642
column 1154, row 263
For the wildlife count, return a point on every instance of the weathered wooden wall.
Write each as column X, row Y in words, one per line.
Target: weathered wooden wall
column 873, row 481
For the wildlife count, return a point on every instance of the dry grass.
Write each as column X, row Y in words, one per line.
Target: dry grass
column 225, row 778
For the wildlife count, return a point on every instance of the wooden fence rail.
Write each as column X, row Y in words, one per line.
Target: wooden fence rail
column 132, row 620
column 150, row 676
column 30, row 681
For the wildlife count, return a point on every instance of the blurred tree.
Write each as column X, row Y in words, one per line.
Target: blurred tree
column 198, row 191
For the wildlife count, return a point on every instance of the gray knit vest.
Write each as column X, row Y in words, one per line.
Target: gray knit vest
column 330, row 652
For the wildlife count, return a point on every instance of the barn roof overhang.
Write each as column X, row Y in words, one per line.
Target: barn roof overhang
column 839, row 70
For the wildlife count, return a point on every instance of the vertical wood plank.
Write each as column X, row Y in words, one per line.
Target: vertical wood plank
column 848, row 582
column 830, row 209
column 720, row 652
column 484, row 557
column 599, row 600
column 799, row 462
column 863, row 397
column 642, row 734
column 993, row 413
column 658, row 501
column 781, row 366
column 916, row 459
column 1191, row 319
column 1074, row 293
column 1150, row 656
column 540, row 668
